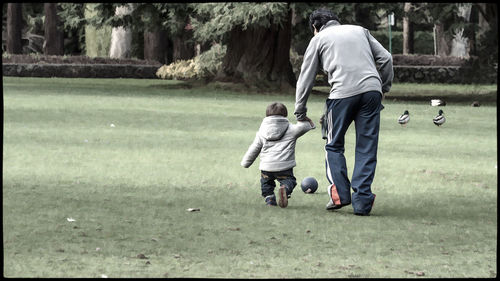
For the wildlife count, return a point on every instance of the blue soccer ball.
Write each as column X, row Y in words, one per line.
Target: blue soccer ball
column 309, row 185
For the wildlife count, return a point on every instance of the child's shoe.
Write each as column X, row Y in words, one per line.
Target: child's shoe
column 283, row 197
column 271, row 200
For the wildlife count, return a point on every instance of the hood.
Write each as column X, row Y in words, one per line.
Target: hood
column 273, row 127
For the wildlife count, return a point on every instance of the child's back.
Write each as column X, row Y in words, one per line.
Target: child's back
column 275, row 142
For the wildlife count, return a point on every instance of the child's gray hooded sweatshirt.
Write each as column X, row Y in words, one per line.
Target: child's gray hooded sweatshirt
column 275, row 142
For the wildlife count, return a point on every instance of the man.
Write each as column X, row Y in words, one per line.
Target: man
column 359, row 71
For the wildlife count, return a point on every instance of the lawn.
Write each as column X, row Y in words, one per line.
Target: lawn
column 98, row 175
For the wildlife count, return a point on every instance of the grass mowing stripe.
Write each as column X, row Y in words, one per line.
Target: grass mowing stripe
column 175, row 147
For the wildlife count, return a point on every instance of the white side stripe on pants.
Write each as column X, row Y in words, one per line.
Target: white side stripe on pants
column 329, row 139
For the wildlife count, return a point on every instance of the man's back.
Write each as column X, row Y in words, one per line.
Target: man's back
column 347, row 56
column 355, row 62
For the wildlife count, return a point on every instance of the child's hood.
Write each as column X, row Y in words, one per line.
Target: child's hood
column 273, row 127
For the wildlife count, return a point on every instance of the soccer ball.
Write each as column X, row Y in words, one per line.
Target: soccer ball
column 309, row 185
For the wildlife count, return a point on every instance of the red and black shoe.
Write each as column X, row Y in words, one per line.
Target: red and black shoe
column 282, row 197
column 271, row 200
column 334, row 202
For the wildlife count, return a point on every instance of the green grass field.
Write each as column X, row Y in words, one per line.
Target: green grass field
column 174, row 147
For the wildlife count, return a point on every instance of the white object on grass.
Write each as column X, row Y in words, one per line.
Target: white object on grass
column 112, row 125
column 192, row 209
column 71, row 219
column 438, row 102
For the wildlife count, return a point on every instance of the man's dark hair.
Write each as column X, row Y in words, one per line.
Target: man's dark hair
column 276, row 108
column 320, row 17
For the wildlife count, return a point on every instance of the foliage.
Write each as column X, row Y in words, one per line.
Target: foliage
column 97, row 40
column 210, row 61
column 205, row 65
column 423, row 41
column 223, row 17
column 368, row 15
column 296, row 62
column 143, row 16
column 73, row 19
column 179, row 70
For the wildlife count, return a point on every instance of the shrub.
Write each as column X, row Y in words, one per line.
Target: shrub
column 205, row 65
column 296, row 61
column 179, row 70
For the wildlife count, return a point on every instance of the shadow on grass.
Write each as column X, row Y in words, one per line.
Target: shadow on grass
column 489, row 98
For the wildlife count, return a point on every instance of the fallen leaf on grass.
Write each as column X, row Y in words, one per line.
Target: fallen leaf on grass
column 177, row 256
column 192, row 209
column 154, row 239
column 234, row 229
column 148, row 262
column 420, row 273
column 142, row 256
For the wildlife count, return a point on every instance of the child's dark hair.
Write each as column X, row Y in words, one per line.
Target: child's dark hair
column 276, row 108
column 320, row 17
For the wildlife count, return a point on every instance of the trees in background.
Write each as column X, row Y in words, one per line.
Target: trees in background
column 257, row 35
column 408, row 34
column 161, row 28
column 258, row 39
column 121, row 37
column 54, row 35
column 14, row 28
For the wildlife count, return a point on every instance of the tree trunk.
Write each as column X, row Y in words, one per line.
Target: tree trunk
column 155, row 45
column 121, row 38
column 487, row 17
column 408, row 43
column 54, row 34
column 14, row 28
column 259, row 57
column 183, row 48
column 441, row 40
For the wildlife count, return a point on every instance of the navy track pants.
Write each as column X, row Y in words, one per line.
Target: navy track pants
column 364, row 110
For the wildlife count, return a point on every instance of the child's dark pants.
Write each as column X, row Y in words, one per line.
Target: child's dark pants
column 285, row 178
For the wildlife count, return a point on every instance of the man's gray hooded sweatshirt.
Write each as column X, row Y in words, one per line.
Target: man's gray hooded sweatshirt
column 275, row 142
column 354, row 60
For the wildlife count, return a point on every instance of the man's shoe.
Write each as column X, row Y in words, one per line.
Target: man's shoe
column 367, row 214
column 271, row 200
column 331, row 206
column 283, row 197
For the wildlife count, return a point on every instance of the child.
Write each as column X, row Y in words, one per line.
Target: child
column 275, row 142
